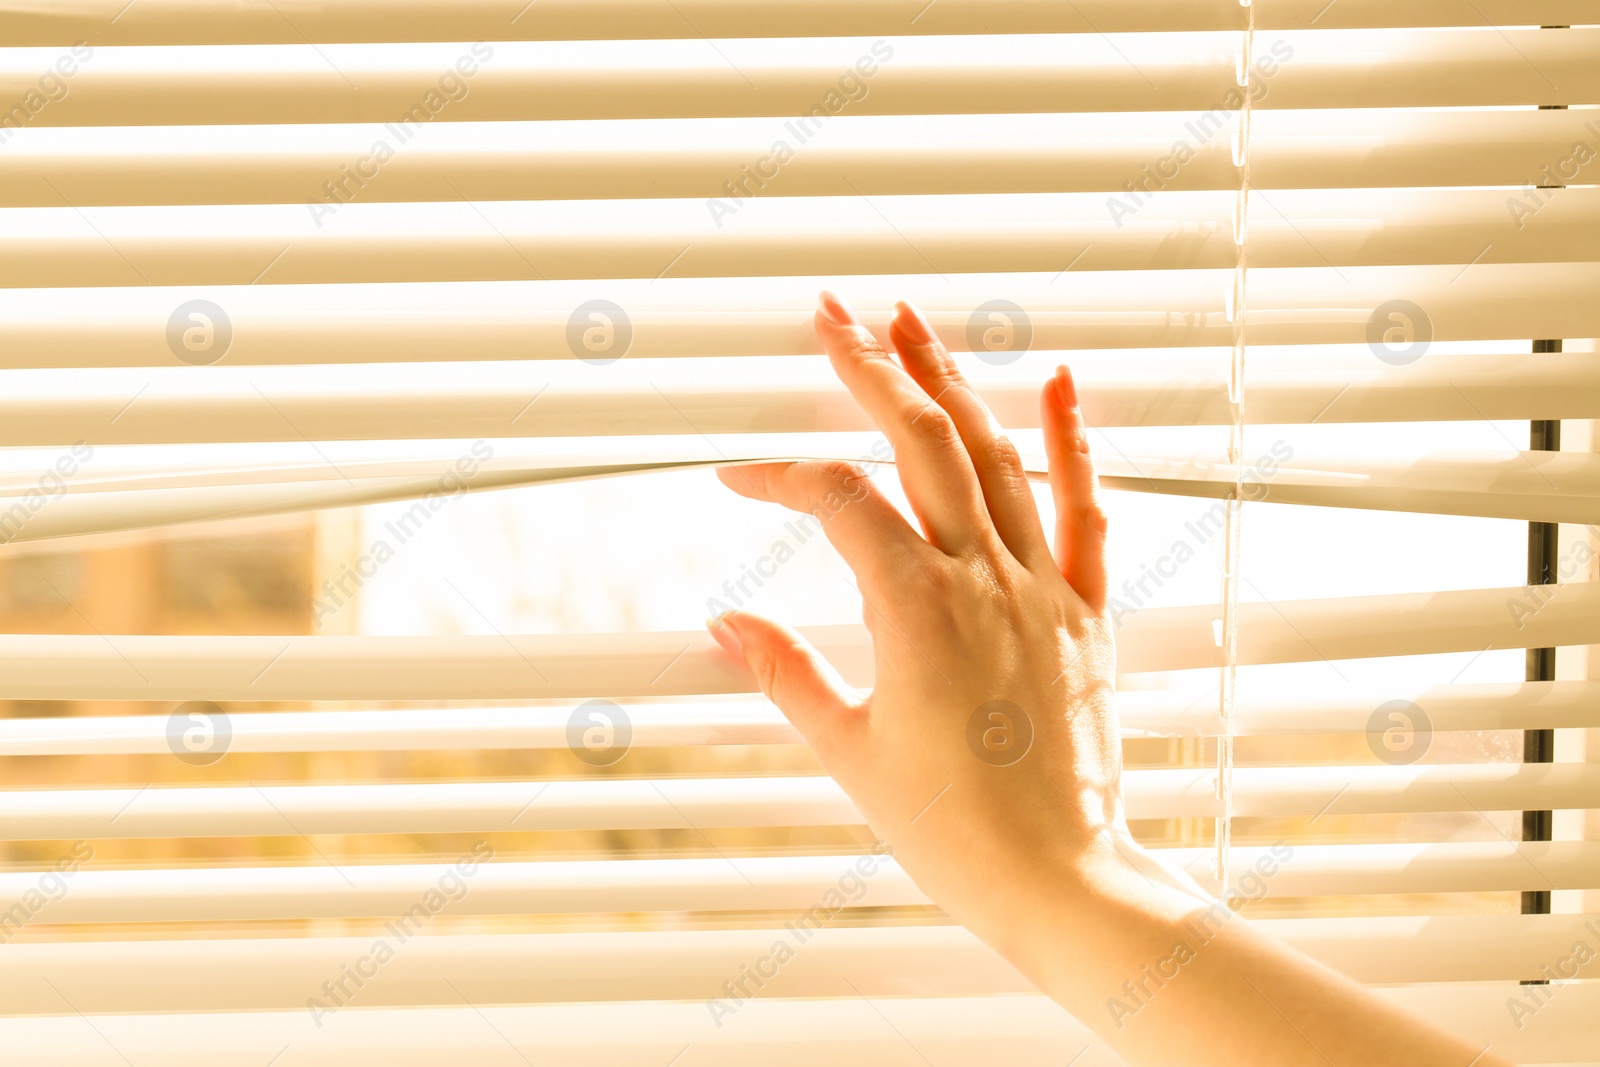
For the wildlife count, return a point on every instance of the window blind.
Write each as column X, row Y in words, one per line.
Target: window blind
column 591, row 233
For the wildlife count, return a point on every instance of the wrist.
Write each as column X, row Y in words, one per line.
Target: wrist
column 1106, row 908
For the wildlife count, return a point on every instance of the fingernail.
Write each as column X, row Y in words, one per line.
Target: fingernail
column 835, row 310
column 725, row 635
column 1068, row 390
column 914, row 324
column 1066, row 386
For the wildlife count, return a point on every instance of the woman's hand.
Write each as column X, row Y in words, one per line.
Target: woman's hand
column 988, row 755
column 989, row 740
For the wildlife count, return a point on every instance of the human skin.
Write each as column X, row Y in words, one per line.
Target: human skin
column 1035, row 856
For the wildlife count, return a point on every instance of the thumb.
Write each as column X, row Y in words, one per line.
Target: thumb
column 793, row 675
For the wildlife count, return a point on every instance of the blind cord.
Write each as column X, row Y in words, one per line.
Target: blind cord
column 1233, row 522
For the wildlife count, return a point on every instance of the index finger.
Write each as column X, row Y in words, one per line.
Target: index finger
column 934, row 466
column 867, row 530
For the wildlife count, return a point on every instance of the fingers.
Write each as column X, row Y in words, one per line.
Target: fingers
column 1001, row 476
column 869, row 532
column 934, row 468
column 794, row 676
column 1080, row 522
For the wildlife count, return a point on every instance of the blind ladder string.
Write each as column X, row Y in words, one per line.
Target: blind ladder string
column 1232, row 530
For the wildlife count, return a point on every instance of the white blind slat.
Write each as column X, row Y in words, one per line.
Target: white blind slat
column 619, row 665
column 990, row 73
column 651, row 726
column 1448, row 867
column 199, row 22
column 677, row 965
column 725, row 883
column 1530, row 486
column 1477, row 706
column 690, row 803
column 692, row 317
column 1140, row 388
column 177, row 406
column 781, row 1032
column 867, row 155
column 525, row 240
column 1474, row 706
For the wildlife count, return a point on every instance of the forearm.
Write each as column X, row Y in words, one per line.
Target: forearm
column 1167, row 977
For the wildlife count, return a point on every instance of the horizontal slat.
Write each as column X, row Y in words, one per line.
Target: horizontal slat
column 455, row 807
column 990, row 73
column 238, row 894
column 468, row 400
column 1028, row 1031
column 690, row 317
column 1530, row 486
column 389, row 730
column 101, row 512
column 1477, row 706
column 281, row 244
column 684, row 965
column 864, row 155
column 1535, row 486
column 1434, row 488
column 724, row 883
column 1356, row 627
column 1529, row 706
column 689, row 803
column 688, row 663
column 106, row 22
column 1136, row 389
column 1451, row 867
column 283, row 973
